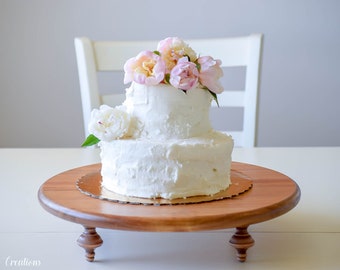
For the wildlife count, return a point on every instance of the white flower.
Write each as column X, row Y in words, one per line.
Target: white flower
column 109, row 123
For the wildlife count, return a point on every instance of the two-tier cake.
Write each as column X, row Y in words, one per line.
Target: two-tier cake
column 159, row 143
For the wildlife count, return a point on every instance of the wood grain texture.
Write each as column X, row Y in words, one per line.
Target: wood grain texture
column 272, row 195
column 89, row 240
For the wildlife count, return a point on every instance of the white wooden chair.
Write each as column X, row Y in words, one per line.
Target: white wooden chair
column 98, row 56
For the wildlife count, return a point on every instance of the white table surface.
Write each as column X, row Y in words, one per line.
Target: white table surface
column 307, row 237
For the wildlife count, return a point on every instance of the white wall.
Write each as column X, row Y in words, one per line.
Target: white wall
column 300, row 83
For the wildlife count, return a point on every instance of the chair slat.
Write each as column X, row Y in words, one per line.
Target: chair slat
column 230, row 99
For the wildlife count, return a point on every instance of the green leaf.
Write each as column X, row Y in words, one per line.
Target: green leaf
column 198, row 66
column 167, row 78
column 215, row 97
column 90, row 140
column 157, row 52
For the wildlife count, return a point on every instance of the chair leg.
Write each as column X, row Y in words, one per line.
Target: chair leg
column 89, row 240
column 241, row 241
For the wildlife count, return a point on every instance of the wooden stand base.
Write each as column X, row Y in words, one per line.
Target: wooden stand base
column 272, row 195
column 241, row 241
column 89, row 240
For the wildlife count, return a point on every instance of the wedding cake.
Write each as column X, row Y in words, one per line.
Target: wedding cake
column 159, row 143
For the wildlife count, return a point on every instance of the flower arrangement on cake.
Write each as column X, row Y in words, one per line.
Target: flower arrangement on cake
column 173, row 63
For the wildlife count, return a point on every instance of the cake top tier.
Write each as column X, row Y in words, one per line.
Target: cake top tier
column 161, row 112
column 169, row 97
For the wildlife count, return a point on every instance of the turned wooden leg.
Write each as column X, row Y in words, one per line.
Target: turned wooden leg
column 89, row 240
column 241, row 241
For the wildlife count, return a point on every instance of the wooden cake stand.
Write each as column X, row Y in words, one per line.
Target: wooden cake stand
column 272, row 194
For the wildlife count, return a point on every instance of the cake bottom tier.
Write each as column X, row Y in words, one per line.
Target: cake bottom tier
column 170, row 169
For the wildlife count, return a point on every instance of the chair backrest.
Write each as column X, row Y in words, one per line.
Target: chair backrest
column 97, row 56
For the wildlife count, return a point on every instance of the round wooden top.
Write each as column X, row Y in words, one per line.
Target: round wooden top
column 272, row 195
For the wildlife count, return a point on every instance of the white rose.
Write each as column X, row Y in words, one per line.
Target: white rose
column 109, row 123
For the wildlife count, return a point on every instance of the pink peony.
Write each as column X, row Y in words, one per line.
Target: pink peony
column 184, row 75
column 146, row 68
column 172, row 49
column 210, row 72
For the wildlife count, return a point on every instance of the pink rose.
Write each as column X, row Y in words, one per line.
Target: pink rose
column 184, row 75
column 172, row 49
column 210, row 72
column 146, row 68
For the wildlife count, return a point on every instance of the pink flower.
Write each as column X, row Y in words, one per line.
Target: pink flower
column 210, row 72
column 146, row 68
column 172, row 49
column 184, row 75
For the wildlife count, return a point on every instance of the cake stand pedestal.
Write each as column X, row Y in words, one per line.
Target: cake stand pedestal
column 273, row 194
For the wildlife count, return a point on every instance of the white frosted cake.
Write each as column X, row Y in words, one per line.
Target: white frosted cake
column 159, row 143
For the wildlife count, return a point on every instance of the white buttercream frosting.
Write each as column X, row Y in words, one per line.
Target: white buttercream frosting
column 171, row 150
column 162, row 112
column 170, row 169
